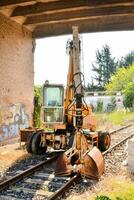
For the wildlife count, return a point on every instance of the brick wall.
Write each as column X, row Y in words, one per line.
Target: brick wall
column 16, row 78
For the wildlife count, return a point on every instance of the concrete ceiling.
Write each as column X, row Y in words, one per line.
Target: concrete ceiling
column 56, row 17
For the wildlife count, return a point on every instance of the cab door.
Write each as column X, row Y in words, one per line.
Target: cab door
column 53, row 104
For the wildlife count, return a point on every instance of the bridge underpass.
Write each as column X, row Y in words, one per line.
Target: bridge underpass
column 22, row 21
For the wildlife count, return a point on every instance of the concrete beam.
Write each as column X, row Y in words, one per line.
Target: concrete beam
column 4, row 3
column 80, row 13
column 108, row 23
column 56, row 6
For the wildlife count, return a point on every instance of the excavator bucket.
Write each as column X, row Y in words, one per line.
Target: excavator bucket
column 63, row 166
column 93, row 164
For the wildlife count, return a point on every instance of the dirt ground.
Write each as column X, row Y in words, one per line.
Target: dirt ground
column 9, row 154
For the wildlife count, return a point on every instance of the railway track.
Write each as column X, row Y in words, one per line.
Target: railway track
column 39, row 181
column 121, row 133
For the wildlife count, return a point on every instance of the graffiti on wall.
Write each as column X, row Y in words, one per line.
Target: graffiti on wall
column 12, row 118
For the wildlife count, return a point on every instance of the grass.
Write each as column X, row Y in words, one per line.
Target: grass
column 121, row 117
column 118, row 188
column 111, row 188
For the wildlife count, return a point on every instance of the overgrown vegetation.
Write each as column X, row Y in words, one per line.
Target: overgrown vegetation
column 129, row 95
column 126, row 60
column 105, row 66
column 101, row 197
column 123, row 81
column 117, row 189
column 37, row 107
column 112, row 105
column 120, row 117
column 99, row 106
column 120, row 80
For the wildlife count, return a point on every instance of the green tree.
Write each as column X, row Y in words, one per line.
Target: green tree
column 123, row 81
column 129, row 95
column 91, row 87
column 120, row 80
column 104, row 66
column 127, row 60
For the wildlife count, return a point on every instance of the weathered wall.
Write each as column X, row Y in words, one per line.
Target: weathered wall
column 16, row 78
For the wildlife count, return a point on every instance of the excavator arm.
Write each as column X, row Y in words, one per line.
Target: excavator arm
column 75, row 107
column 80, row 158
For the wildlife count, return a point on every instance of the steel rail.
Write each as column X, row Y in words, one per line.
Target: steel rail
column 24, row 174
column 63, row 189
column 121, row 128
column 117, row 144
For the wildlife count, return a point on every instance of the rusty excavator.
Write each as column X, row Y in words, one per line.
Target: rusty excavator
column 69, row 123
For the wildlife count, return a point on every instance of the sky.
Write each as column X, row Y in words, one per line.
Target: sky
column 51, row 61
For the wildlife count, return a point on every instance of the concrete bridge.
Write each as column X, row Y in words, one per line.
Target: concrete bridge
column 55, row 17
column 22, row 21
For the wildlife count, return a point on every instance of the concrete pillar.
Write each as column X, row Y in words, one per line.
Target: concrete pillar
column 16, row 78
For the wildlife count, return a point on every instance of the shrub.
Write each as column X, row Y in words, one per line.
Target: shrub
column 99, row 106
column 112, row 105
column 129, row 95
column 120, row 79
column 102, row 198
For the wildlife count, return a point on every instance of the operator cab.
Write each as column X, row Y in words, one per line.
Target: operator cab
column 53, row 103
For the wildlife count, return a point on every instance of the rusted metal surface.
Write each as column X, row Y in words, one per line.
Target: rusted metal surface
column 63, row 189
column 63, row 166
column 24, row 134
column 69, row 162
column 93, row 164
column 24, row 174
column 81, row 159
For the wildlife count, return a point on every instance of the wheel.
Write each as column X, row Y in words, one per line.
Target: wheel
column 35, row 146
column 104, row 141
column 29, row 142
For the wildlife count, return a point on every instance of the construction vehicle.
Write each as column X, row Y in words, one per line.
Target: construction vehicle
column 69, row 123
